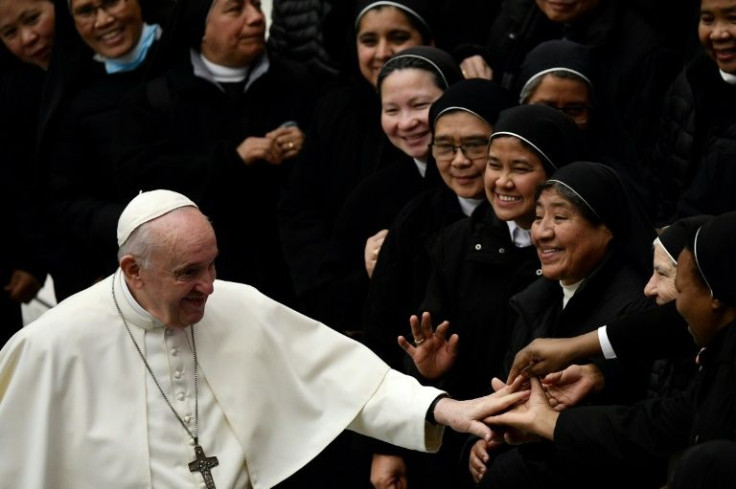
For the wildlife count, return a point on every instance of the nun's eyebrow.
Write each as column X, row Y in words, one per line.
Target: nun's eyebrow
column 235, row 2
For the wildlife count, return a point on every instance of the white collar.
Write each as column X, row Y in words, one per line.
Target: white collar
column 468, row 205
column 203, row 69
column 137, row 308
column 728, row 77
column 568, row 291
column 225, row 74
column 421, row 167
column 519, row 236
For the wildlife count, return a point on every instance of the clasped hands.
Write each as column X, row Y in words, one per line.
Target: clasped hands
column 275, row 147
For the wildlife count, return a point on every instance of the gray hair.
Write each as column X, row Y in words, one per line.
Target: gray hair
column 145, row 238
column 140, row 245
column 531, row 86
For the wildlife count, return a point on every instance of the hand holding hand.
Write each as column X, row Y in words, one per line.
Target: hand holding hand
column 568, row 387
column 471, row 416
column 545, row 355
column 388, row 472
column 507, row 434
column 534, row 415
column 432, row 353
column 372, row 248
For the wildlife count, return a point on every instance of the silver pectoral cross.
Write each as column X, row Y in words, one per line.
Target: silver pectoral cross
column 203, row 464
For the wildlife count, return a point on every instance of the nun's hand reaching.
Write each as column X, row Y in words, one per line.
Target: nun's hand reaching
column 568, row 387
column 433, row 354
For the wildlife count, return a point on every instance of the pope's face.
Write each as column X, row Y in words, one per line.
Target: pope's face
column 235, row 32
column 180, row 276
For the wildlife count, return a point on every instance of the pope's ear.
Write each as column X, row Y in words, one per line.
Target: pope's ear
column 130, row 268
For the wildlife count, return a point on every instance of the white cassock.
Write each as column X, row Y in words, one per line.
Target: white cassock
column 78, row 408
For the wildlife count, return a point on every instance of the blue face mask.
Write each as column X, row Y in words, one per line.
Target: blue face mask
column 133, row 59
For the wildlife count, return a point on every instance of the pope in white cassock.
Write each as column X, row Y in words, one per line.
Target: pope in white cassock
column 133, row 383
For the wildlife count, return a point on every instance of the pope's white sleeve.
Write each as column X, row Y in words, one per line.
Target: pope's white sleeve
column 396, row 414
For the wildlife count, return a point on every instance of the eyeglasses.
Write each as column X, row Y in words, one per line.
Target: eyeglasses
column 472, row 150
column 87, row 13
column 577, row 112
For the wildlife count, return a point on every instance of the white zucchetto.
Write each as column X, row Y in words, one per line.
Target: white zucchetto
column 147, row 206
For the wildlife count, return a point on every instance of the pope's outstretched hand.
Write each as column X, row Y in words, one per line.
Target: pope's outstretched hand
column 468, row 416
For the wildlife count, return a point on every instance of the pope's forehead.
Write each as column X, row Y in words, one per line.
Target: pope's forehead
column 182, row 219
column 182, row 231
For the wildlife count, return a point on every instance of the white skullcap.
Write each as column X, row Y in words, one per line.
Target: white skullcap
column 147, row 206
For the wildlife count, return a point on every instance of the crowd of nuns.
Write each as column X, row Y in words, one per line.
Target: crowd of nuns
column 467, row 174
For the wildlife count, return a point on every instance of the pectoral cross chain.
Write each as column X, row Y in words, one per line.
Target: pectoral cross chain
column 203, row 464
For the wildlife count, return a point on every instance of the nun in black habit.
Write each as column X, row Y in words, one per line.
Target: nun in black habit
column 593, row 239
column 408, row 84
column 585, row 287
column 626, row 443
column 561, row 73
column 400, row 277
column 479, row 263
column 403, row 266
column 219, row 119
column 345, row 143
column 27, row 32
column 100, row 53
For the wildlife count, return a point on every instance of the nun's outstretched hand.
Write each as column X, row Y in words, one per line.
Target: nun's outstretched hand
column 432, row 352
column 532, row 416
column 568, row 387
